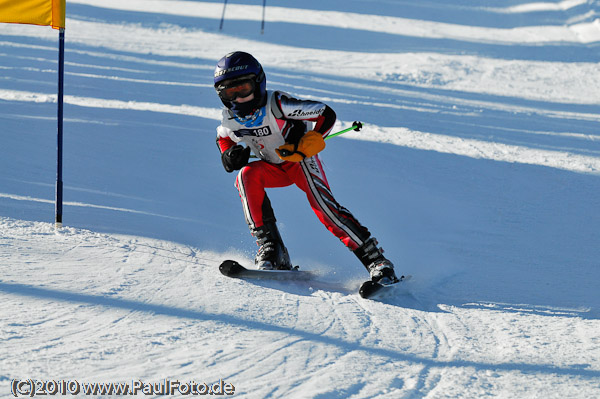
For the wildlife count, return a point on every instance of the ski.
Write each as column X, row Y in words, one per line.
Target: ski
column 370, row 289
column 231, row 268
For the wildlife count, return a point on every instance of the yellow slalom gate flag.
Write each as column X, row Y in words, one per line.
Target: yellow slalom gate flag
column 34, row 12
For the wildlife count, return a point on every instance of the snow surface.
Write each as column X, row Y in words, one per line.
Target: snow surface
column 478, row 170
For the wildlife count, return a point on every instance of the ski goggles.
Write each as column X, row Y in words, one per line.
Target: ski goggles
column 237, row 88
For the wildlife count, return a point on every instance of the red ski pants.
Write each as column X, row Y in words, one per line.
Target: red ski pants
column 309, row 176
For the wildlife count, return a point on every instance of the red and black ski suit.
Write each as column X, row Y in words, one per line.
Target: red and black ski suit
column 282, row 120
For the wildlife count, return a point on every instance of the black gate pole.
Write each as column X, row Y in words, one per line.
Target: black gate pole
column 223, row 15
column 262, row 25
column 59, row 136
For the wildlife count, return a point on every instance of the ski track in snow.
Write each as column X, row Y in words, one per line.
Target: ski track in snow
column 130, row 289
column 113, row 303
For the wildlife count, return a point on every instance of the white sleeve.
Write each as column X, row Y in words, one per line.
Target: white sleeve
column 293, row 108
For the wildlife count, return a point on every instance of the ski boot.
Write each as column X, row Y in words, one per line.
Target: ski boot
column 380, row 269
column 272, row 254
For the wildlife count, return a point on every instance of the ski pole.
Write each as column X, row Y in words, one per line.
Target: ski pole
column 355, row 126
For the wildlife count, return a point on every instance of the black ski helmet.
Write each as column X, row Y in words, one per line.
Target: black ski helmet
column 238, row 65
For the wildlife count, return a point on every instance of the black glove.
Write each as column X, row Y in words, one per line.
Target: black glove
column 235, row 158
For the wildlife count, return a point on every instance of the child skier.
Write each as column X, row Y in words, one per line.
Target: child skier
column 275, row 127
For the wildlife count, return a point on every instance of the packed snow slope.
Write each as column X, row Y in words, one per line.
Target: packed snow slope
column 478, row 170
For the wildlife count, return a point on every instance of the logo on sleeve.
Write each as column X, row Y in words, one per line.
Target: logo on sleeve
column 300, row 113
